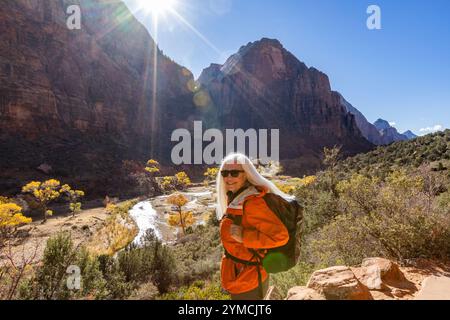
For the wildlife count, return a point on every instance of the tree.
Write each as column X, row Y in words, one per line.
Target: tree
column 180, row 218
column 44, row 193
column 73, row 196
column 210, row 174
column 152, row 167
column 182, row 180
column 11, row 217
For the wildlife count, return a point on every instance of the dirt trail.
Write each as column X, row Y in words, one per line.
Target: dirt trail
column 33, row 237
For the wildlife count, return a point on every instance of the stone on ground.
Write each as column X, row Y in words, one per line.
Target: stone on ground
column 338, row 283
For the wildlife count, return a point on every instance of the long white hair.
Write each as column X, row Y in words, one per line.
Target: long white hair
column 253, row 176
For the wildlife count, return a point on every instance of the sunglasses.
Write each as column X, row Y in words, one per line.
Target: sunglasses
column 234, row 173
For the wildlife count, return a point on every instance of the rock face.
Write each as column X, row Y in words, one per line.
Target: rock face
column 263, row 86
column 388, row 133
column 83, row 100
column 368, row 130
column 376, row 278
column 379, row 133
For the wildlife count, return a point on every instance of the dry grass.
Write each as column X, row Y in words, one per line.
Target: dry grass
column 117, row 232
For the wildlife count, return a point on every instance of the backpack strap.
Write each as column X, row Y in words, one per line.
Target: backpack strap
column 257, row 263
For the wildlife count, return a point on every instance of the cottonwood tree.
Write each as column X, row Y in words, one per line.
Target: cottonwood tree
column 44, row 193
column 179, row 218
column 73, row 197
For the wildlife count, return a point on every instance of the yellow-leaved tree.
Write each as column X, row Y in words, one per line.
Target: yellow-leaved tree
column 73, row 196
column 182, row 180
column 11, row 217
column 44, row 193
column 179, row 218
column 210, row 175
column 152, row 166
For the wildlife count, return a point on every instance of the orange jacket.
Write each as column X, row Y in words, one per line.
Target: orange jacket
column 262, row 229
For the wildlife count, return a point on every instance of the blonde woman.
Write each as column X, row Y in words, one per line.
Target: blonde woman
column 248, row 227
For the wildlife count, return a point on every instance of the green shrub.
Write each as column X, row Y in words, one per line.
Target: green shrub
column 297, row 276
column 199, row 290
column 393, row 219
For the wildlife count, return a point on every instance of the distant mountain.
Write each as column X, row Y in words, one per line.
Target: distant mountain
column 388, row 133
column 379, row 133
column 263, row 85
column 410, row 135
column 368, row 130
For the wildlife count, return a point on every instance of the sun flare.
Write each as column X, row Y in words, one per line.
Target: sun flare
column 158, row 7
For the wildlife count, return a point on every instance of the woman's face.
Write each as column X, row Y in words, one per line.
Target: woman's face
column 234, row 183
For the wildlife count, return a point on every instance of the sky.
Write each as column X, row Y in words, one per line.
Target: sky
column 400, row 73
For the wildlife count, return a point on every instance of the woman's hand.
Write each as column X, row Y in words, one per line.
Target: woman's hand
column 236, row 232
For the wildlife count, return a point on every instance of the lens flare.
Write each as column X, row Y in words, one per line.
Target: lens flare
column 158, row 7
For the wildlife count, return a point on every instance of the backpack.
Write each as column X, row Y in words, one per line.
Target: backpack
column 290, row 213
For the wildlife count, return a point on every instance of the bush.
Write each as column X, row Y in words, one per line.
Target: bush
column 392, row 219
column 297, row 276
column 163, row 268
column 199, row 290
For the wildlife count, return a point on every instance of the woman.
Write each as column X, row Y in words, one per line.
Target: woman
column 248, row 227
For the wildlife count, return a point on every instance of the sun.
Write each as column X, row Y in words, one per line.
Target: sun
column 158, row 7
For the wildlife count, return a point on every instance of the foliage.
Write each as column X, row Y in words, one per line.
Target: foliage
column 11, row 217
column 199, row 290
column 297, row 276
column 182, row 180
column 167, row 183
column 152, row 166
column 391, row 218
column 44, row 193
column 211, row 174
column 180, row 218
column 73, row 196
column 403, row 154
column 117, row 232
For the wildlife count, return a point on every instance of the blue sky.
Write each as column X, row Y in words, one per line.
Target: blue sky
column 400, row 73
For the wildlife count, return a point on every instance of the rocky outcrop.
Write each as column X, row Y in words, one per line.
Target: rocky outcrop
column 264, row 86
column 83, row 100
column 376, row 278
column 338, row 283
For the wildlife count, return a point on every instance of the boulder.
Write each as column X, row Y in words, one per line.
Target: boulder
column 389, row 270
column 338, row 283
column 369, row 276
column 304, row 293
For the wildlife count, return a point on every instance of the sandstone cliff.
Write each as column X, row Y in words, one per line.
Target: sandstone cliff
column 80, row 101
column 265, row 86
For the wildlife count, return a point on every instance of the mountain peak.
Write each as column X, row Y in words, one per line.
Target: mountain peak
column 410, row 134
column 382, row 124
column 263, row 42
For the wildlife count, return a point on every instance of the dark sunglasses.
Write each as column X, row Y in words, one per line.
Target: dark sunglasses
column 234, row 173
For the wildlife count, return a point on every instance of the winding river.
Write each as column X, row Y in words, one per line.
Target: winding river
column 147, row 217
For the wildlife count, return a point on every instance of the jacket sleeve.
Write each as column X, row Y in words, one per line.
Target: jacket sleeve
column 262, row 228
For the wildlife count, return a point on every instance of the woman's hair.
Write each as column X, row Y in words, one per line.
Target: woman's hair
column 253, row 176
